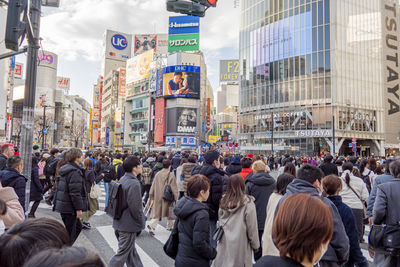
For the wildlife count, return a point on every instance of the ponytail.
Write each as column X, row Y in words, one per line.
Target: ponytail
column 347, row 179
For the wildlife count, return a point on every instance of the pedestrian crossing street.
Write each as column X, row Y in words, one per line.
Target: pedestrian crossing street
column 148, row 247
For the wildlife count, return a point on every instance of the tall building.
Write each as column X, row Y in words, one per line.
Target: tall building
column 317, row 75
column 4, row 65
column 117, row 50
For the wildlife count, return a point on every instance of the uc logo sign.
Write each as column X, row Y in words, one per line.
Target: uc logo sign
column 119, row 42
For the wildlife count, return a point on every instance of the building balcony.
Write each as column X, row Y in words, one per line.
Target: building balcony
column 136, row 110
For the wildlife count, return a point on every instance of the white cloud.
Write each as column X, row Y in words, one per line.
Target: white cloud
column 75, row 30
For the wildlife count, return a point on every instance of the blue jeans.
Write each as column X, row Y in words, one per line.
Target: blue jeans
column 213, row 226
column 106, row 188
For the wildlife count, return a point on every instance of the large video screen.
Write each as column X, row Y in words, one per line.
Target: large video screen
column 182, row 120
column 181, row 81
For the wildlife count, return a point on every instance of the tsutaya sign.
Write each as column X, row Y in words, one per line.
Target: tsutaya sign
column 314, row 133
column 391, row 68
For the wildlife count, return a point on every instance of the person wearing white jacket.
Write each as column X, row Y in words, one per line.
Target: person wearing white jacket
column 354, row 194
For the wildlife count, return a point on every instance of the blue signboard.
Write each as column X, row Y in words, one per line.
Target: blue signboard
column 183, row 25
column 119, row 42
column 45, row 131
column 107, row 136
column 13, row 63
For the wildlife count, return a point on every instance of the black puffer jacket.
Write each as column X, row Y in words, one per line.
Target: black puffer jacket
column 71, row 193
column 194, row 234
column 3, row 161
column 214, row 175
column 260, row 186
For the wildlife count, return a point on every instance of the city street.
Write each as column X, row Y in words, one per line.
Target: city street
column 101, row 237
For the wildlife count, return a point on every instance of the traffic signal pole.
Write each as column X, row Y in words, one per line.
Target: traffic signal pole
column 30, row 92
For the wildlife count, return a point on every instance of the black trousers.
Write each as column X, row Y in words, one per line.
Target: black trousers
column 34, row 207
column 258, row 254
column 49, row 184
column 73, row 226
column 146, row 189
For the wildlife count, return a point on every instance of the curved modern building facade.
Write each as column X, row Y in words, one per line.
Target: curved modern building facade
column 313, row 77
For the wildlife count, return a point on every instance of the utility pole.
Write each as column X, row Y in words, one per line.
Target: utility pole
column 28, row 112
column 272, row 133
column 44, row 126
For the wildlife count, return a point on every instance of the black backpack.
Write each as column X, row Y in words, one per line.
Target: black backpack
column 112, row 172
column 116, row 204
column 50, row 167
column 367, row 181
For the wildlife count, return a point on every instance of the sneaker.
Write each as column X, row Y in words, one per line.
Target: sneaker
column 151, row 230
column 86, row 225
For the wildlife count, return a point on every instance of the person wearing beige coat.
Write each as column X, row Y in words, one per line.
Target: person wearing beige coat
column 15, row 212
column 240, row 237
column 161, row 208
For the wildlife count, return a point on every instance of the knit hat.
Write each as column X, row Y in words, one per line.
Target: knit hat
column 235, row 160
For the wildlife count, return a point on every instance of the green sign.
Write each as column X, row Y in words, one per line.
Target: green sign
column 183, row 42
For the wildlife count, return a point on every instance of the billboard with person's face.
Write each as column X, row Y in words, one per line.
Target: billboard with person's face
column 182, row 120
column 181, row 81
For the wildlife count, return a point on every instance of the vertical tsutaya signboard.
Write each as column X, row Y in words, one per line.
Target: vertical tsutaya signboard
column 118, row 45
column 229, row 70
column 391, row 69
column 122, row 83
column 183, row 33
column 159, row 120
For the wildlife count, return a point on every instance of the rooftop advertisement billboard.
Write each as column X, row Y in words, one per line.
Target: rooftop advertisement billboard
column 181, row 81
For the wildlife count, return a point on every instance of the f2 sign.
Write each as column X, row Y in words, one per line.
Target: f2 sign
column 119, row 42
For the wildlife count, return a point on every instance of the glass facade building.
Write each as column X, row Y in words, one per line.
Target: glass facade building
column 311, row 76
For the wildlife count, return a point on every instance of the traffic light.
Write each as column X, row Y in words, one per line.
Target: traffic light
column 190, row 7
column 186, row 7
column 68, row 127
column 16, row 25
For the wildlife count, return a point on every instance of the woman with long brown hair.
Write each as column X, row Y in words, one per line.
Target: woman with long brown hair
column 237, row 217
column 90, row 180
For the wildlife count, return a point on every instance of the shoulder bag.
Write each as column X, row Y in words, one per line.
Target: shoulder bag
column 171, row 246
column 168, row 195
column 385, row 239
column 219, row 232
column 95, row 191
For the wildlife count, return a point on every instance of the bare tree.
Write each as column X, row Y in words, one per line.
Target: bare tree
column 79, row 131
column 38, row 126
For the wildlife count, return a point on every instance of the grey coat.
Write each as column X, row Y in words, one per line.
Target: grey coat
column 132, row 219
column 338, row 249
column 387, row 205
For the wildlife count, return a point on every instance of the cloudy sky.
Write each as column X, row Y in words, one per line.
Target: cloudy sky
column 75, row 31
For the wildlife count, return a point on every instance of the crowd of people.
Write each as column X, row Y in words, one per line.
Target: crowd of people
column 222, row 210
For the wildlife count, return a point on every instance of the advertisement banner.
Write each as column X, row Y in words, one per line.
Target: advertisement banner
column 229, row 70
column 96, row 96
column 118, row 120
column 44, row 97
column 183, row 25
column 145, row 42
column 18, row 70
column 391, row 70
column 138, row 67
column 212, row 139
column 90, row 122
column 182, row 120
column 153, row 81
column 122, row 83
column 181, row 81
column 183, row 42
column 48, row 59
column 159, row 120
column 118, row 45
column 63, row 83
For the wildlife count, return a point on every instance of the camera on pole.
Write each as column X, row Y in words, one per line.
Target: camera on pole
column 190, row 7
column 16, row 23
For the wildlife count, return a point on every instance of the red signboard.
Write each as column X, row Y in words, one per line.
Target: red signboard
column 18, row 71
column 122, row 83
column 159, row 120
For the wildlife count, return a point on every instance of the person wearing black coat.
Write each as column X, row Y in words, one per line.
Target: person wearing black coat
column 11, row 177
column 211, row 170
column 36, row 194
column 71, row 196
column 234, row 166
column 332, row 186
column 260, row 185
column 328, row 167
column 194, row 247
